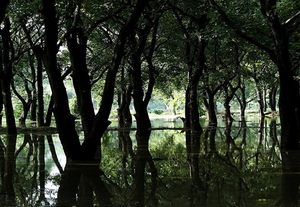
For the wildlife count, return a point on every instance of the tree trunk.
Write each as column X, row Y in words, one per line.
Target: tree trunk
column 3, row 5
column 272, row 98
column 6, row 77
column 289, row 100
column 40, row 91
column 228, row 97
column 101, row 119
column 33, row 95
column 141, row 98
column 125, row 120
column 211, row 109
column 64, row 120
column 242, row 101
column 260, row 101
column 81, row 79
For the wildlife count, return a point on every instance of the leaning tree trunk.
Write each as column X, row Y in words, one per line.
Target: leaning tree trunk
column 64, row 120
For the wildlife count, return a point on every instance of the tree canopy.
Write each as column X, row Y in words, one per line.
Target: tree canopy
column 77, row 59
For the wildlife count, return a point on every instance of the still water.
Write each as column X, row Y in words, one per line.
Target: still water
column 238, row 165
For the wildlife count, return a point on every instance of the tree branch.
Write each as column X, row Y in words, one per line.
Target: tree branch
column 291, row 20
column 239, row 32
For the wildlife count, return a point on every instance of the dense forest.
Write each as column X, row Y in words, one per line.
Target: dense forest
column 81, row 80
column 90, row 60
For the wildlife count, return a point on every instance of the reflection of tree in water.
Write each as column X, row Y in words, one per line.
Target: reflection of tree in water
column 8, row 197
column 228, row 166
column 23, row 170
column 290, row 178
column 79, row 183
column 143, row 157
column 85, row 184
column 198, row 192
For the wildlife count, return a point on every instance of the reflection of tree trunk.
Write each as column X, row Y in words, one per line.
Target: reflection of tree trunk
column 125, row 121
column 26, row 140
column 126, row 142
column 93, row 184
column 290, row 179
column 69, row 183
column 42, row 174
column 10, row 162
column 231, row 146
column 243, row 127
column 260, row 138
column 79, row 182
column 142, row 157
column 154, row 177
column 273, row 133
column 53, row 153
column 198, row 189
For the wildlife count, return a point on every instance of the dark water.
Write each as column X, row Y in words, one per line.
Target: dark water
column 241, row 165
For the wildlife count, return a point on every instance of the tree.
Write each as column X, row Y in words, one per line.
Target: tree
column 195, row 62
column 64, row 119
column 277, row 46
column 7, row 58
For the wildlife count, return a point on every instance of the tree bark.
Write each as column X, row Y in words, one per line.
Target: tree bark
column 6, row 77
column 242, row 101
column 77, row 45
column 211, row 108
column 272, row 98
column 64, row 120
column 3, row 6
column 141, row 98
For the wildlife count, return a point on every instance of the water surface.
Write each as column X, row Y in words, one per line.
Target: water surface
column 237, row 165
